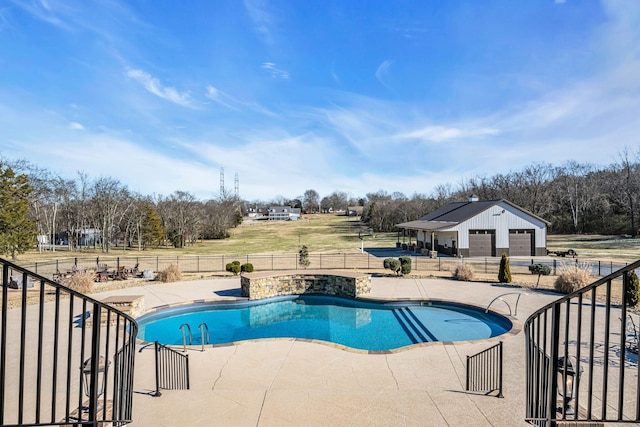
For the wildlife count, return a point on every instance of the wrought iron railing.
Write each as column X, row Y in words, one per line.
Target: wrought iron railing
column 484, row 370
column 65, row 358
column 578, row 363
column 289, row 261
column 172, row 369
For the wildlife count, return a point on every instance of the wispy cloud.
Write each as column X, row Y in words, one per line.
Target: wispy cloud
column 443, row 133
column 76, row 126
column 274, row 71
column 45, row 11
column 382, row 71
column 154, row 86
column 222, row 98
column 261, row 18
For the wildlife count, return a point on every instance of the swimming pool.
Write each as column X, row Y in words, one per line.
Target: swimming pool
column 359, row 324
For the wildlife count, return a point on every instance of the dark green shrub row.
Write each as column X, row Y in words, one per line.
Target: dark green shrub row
column 235, row 267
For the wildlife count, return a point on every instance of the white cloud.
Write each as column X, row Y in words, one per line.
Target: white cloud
column 76, row 126
column 222, row 98
column 154, row 86
column 382, row 71
column 262, row 19
column 274, row 71
column 443, row 133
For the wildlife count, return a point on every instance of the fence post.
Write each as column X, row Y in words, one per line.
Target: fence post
column 486, row 267
column 157, row 351
column 500, row 368
column 157, row 264
column 554, row 266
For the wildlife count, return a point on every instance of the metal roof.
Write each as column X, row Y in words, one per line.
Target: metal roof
column 457, row 212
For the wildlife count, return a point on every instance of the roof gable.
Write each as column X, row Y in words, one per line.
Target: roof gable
column 457, row 212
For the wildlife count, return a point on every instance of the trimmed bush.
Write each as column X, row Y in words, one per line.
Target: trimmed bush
column 81, row 282
column 572, row 277
column 393, row 265
column 405, row 265
column 464, row 272
column 540, row 270
column 504, row 275
column 170, row 274
column 246, row 268
column 233, row 267
column 387, row 263
column 631, row 290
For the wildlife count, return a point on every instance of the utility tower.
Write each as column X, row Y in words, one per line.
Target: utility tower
column 221, row 182
column 237, row 186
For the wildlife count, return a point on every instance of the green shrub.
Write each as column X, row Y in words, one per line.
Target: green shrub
column 504, row 275
column 631, row 290
column 540, row 270
column 464, row 272
column 303, row 257
column 392, row 264
column 233, row 267
column 405, row 265
column 246, row 268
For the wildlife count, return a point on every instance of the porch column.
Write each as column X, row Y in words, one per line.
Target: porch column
column 433, row 241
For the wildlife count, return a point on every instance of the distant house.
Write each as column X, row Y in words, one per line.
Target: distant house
column 479, row 228
column 283, row 213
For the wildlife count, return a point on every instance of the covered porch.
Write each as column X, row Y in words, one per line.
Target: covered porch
column 428, row 238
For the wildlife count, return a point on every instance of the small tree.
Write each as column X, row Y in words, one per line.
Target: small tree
column 405, row 265
column 393, row 265
column 540, row 270
column 303, row 257
column 17, row 230
column 632, row 288
column 504, row 275
column 233, row 267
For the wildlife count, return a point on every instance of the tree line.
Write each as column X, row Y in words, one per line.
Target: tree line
column 574, row 197
column 103, row 212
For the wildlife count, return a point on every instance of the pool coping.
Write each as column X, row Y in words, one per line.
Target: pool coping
column 516, row 326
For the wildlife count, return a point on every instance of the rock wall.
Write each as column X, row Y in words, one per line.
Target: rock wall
column 275, row 283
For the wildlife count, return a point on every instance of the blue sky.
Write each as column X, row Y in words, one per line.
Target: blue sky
column 355, row 96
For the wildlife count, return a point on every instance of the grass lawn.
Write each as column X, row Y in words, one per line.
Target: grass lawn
column 324, row 233
column 327, row 233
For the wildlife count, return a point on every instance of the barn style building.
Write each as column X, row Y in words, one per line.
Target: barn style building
column 474, row 228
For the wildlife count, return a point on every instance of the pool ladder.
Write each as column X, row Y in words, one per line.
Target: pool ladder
column 186, row 333
column 500, row 297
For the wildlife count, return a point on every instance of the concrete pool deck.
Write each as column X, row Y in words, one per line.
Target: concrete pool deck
column 288, row 382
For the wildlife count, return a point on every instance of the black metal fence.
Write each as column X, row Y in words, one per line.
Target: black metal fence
column 65, row 358
column 484, row 370
column 580, row 365
column 172, row 369
column 356, row 261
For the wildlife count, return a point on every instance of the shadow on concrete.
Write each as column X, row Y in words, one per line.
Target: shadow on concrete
column 235, row 292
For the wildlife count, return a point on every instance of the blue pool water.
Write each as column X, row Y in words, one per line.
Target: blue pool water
column 365, row 325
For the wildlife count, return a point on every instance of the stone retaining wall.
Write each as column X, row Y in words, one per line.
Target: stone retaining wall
column 274, row 283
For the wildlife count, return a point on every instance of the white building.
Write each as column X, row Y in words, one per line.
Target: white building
column 479, row 228
column 283, row 213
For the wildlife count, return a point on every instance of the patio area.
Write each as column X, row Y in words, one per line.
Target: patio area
column 288, row 382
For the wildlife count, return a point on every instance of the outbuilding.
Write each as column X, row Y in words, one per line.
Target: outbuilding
column 475, row 228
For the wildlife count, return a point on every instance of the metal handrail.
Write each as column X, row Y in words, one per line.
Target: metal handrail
column 186, row 329
column 172, row 369
column 576, row 356
column 499, row 297
column 204, row 334
column 484, row 370
column 77, row 361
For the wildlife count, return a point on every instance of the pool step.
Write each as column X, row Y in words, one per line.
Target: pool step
column 414, row 328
